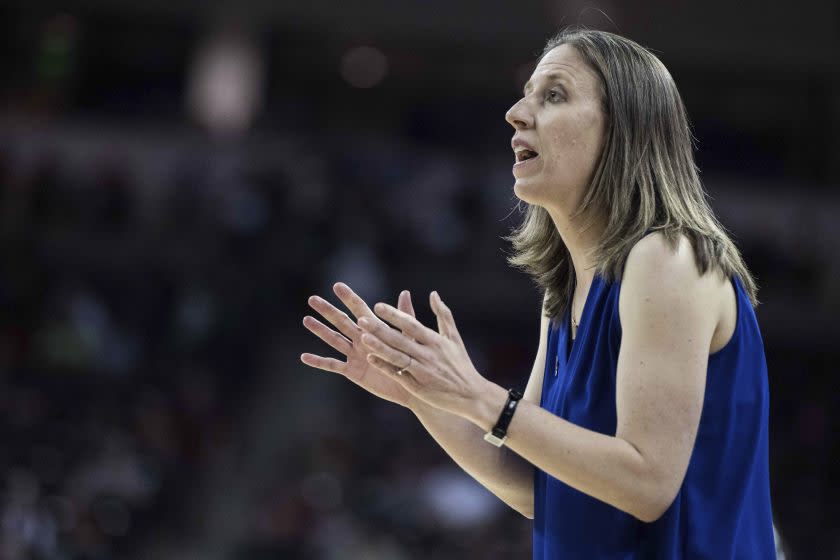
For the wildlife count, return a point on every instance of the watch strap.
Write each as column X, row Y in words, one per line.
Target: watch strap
column 498, row 434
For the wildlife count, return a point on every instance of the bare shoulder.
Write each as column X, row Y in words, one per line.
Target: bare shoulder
column 653, row 255
column 662, row 279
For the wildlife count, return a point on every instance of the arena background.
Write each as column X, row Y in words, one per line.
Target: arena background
column 177, row 177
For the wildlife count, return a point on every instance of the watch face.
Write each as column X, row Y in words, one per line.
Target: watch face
column 494, row 439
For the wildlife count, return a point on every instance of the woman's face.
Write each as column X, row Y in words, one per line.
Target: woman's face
column 560, row 119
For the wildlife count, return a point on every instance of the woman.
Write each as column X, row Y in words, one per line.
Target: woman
column 643, row 428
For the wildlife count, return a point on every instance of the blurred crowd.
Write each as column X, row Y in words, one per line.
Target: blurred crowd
column 143, row 300
column 155, row 275
column 151, row 326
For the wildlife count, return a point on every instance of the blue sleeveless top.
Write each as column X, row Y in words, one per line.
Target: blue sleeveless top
column 722, row 510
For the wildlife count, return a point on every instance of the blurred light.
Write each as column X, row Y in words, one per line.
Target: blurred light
column 364, row 67
column 456, row 500
column 225, row 84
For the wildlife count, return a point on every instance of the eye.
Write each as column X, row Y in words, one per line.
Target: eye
column 554, row 95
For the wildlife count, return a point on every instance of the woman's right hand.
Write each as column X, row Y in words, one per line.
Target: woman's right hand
column 357, row 368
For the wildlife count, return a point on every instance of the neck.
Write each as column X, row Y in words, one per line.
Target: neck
column 581, row 236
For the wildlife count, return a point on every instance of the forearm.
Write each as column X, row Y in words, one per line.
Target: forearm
column 604, row 467
column 506, row 474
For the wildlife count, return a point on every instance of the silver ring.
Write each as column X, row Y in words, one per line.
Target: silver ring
column 401, row 371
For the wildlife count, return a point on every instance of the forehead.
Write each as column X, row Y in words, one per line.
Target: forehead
column 565, row 62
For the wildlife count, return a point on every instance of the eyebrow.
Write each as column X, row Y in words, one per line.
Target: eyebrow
column 553, row 76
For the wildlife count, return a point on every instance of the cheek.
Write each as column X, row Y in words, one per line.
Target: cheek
column 592, row 132
column 578, row 142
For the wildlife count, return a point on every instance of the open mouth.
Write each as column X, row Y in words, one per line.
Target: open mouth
column 525, row 155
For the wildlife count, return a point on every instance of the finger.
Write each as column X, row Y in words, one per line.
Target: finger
column 326, row 364
column 340, row 343
column 442, row 327
column 353, row 301
column 338, row 318
column 388, row 352
column 404, row 303
column 448, row 319
column 396, row 340
column 383, row 364
column 406, row 323
column 405, row 378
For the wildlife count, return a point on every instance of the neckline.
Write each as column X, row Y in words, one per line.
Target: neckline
column 571, row 345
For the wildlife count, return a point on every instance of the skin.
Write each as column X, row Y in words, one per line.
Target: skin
column 433, row 353
column 560, row 115
column 669, row 328
column 346, row 338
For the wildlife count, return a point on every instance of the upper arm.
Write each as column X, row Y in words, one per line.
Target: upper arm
column 533, row 390
column 668, row 319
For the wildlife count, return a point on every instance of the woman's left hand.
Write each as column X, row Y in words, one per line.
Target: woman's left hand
column 439, row 371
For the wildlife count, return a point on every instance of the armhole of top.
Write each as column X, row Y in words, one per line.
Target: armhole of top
column 734, row 281
column 550, row 352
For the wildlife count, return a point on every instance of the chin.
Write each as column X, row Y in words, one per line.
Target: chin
column 528, row 192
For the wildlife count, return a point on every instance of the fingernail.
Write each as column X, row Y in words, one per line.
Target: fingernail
column 363, row 322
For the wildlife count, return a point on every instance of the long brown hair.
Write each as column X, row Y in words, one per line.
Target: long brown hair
column 646, row 178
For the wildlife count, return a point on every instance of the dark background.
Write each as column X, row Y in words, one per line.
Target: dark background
column 158, row 250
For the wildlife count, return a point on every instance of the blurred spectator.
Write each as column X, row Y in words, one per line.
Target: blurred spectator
column 155, row 273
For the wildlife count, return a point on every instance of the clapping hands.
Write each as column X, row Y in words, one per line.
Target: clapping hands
column 439, row 371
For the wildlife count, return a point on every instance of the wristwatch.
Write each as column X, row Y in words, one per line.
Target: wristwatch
column 498, row 434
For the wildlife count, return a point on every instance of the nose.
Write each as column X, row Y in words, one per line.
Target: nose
column 519, row 116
